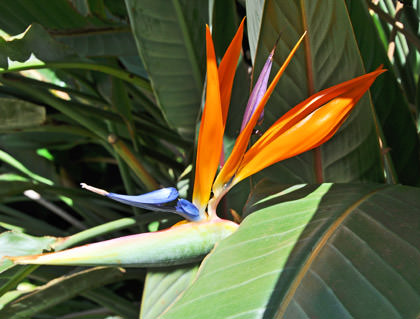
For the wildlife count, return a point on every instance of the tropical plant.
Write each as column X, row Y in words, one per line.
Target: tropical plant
column 109, row 93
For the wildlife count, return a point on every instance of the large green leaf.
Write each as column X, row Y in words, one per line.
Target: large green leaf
column 328, row 56
column 170, row 40
column 309, row 251
column 163, row 286
column 390, row 103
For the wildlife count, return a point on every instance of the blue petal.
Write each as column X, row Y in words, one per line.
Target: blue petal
column 160, row 196
column 188, row 210
column 158, row 201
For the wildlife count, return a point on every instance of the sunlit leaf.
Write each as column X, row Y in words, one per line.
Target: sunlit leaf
column 315, row 251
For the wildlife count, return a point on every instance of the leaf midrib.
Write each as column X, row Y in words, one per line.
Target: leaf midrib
column 317, row 249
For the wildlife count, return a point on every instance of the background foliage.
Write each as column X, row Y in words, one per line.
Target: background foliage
column 109, row 93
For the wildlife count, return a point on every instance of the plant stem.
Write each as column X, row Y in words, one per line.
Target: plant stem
column 121, row 148
column 21, row 274
column 94, row 232
column 383, row 15
column 121, row 74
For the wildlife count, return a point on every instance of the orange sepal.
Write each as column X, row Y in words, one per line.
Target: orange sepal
column 227, row 70
column 210, row 138
column 234, row 160
column 306, row 126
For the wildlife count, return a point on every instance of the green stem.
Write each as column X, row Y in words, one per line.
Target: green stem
column 125, row 175
column 94, row 232
column 107, row 228
column 411, row 37
column 121, row 74
column 21, row 274
column 50, row 86
column 147, row 103
column 121, row 148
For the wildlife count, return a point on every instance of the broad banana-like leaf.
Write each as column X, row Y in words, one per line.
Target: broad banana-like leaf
column 330, row 56
column 163, row 286
column 170, row 40
column 314, row 251
column 180, row 244
column 390, row 103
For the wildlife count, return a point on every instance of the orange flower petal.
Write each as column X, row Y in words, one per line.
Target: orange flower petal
column 308, row 125
column 241, row 143
column 227, row 69
column 210, row 138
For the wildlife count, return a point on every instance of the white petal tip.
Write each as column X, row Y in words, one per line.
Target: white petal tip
column 94, row 189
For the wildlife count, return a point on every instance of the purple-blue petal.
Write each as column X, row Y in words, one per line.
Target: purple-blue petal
column 157, row 197
column 162, row 200
column 188, row 210
column 258, row 92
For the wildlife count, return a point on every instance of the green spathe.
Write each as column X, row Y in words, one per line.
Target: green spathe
column 177, row 245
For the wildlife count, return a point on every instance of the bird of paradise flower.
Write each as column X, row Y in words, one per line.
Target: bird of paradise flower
column 306, row 126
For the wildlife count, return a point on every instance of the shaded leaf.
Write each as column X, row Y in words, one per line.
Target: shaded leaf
column 170, row 40
column 18, row 114
column 113, row 301
column 110, row 42
column 17, row 15
column 34, row 41
column 224, row 23
column 309, row 251
column 59, row 290
column 390, row 103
